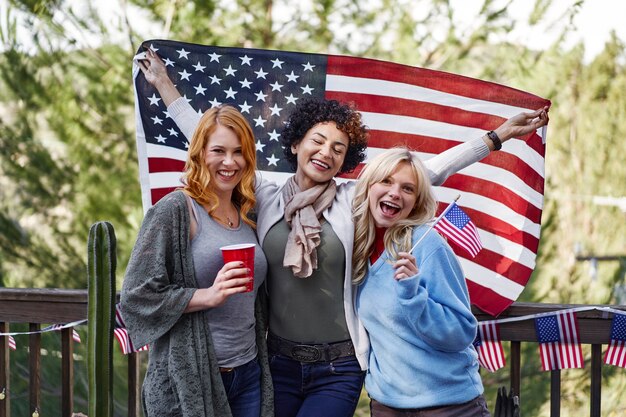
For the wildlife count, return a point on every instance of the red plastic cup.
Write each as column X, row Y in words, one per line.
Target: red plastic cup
column 243, row 252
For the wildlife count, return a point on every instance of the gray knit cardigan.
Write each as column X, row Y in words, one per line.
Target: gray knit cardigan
column 183, row 377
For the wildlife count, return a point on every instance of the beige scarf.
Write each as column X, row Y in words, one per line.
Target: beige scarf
column 302, row 209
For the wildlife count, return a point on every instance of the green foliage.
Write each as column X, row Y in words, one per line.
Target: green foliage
column 101, row 264
column 66, row 151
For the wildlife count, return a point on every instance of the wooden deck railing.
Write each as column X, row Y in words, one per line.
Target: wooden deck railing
column 51, row 306
column 38, row 306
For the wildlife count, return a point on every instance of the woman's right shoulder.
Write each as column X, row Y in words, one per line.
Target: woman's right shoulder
column 168, row 204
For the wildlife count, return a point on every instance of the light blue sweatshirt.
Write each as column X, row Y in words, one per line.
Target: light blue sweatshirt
column 421, row 330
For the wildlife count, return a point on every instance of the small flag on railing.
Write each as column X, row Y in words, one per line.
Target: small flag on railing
column 458, row 227
column 489, row 346
column 12, row 343
column 616, row 352
column 121, row 334
column 75, row 334
column 119, row 320
column 559, row 345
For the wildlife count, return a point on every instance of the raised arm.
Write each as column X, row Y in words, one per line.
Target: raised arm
column 441, row 166
column 185, row 117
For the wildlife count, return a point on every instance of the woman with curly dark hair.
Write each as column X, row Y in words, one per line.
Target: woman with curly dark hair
column 318, row 347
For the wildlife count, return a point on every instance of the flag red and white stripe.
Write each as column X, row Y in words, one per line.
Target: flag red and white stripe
column 75, row 335
column 429, row 111
column 121, row 334
column 559, row 344
column 12, row 344
column 616, row 352
column 489, row 346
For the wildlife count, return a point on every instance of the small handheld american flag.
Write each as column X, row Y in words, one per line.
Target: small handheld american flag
column 458, row 227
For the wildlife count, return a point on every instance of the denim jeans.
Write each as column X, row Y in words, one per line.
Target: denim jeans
column 327, row 389
column 243, row 388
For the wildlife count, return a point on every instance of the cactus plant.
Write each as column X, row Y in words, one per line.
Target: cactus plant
column 101, row 263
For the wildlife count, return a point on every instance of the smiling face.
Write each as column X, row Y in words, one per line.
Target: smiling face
column 393, row 198
column 320, row 154
column 225, row 161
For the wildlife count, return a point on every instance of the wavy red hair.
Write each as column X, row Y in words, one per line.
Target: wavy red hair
column 196, row 176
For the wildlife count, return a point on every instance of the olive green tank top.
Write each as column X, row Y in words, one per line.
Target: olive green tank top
column 306, row 310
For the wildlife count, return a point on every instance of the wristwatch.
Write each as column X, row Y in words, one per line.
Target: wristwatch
column 497, row 143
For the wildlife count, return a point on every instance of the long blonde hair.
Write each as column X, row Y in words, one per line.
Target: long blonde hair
column 197, row 178
column 398, row 237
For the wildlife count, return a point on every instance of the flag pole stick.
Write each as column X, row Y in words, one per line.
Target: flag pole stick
column 443, row 213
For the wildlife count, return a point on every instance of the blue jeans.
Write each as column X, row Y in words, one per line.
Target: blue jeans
column 243, row 389
column 328, row 389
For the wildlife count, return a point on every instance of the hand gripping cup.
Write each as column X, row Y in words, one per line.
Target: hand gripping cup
column 243, row 252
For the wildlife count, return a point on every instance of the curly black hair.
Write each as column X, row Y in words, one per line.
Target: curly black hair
column 312, row 111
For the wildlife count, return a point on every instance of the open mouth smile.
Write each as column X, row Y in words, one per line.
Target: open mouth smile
column 320, row 164
column 226, row 174
column 389, row 209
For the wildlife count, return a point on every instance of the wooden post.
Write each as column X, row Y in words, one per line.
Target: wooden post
column 5, row 402
column 555, row 393
column 596, row 380
column 516, row 369
column 67, row 372
column 134, row 385
column 35, row 368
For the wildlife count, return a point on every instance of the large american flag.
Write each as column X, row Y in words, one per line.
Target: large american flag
column 429, row 111
column 616, row 352
column 559, row 344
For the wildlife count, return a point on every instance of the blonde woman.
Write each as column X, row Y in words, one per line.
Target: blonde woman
column 179, row 297
column 415, row 307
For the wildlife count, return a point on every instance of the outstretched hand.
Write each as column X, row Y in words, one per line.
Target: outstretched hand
column 523, row 124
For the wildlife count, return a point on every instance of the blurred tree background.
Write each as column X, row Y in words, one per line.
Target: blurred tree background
column 68, row 156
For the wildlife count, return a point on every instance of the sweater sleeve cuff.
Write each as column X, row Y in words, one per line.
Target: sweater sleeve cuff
column 407, row 287
column 185, row 117
column 177, row 107
column 479, row 147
